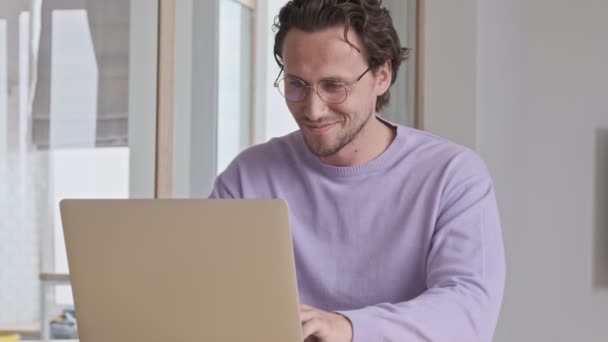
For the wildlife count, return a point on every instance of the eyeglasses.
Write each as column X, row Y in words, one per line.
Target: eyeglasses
column 330, row 91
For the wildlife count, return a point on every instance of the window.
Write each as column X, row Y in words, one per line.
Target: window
column 77, row 119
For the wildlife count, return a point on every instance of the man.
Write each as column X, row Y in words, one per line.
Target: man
column 396, row 231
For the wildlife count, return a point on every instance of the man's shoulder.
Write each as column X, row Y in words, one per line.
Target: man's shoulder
column 250, row 174
column 439, row 152
column 429, row 144
column 274, row 151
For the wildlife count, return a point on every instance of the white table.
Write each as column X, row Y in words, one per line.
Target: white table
column 25, row 330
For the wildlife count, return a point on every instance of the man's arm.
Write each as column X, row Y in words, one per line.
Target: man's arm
column 465, row 276
column 221, row 190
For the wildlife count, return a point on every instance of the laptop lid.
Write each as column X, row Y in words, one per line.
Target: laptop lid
column 181, row 270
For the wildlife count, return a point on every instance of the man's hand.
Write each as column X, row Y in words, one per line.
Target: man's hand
column 322, row 326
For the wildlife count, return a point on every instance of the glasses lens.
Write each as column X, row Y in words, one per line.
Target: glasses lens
column 332, row 91
column 292, row 89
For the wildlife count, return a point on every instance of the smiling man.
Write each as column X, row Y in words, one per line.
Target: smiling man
column 396, row 231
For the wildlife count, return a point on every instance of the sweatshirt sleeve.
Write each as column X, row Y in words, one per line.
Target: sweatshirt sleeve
column 465, row 271
column 227, row 185
column 221, row 190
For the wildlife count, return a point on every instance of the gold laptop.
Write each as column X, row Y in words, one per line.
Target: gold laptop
column 182, row 270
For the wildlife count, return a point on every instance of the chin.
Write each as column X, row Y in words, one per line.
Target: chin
column 323, row 150
column 324, row 153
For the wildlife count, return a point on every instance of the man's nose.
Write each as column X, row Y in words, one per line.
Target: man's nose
column 315, row 107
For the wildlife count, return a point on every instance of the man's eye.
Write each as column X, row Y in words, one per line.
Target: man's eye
column 332, row 86
column 295, row 84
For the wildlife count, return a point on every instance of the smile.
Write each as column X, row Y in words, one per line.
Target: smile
column 319, row 129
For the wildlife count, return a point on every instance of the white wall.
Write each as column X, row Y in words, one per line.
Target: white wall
column 540, row 113
column 450, row 69
column 3, row 89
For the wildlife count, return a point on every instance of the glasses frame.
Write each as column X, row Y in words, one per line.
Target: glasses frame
column 348, row 87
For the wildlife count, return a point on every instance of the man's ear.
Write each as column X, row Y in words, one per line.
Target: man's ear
column 384, row 77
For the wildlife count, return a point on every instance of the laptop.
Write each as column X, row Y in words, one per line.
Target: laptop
column 181, row 270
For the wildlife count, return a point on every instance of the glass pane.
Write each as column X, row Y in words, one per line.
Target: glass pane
column 235, row 61
column 67, row 99
column 213, row 91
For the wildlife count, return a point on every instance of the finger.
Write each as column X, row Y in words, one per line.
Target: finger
column 307, row 315
column 312, row 327
column 304, row 307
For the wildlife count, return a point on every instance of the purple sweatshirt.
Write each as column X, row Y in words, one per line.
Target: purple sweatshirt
column 408, row 246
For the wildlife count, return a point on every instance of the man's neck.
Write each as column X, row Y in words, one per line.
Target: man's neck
column 372, row 141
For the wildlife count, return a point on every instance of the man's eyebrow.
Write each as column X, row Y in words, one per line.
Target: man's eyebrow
column 294, row 76
column 328, row 78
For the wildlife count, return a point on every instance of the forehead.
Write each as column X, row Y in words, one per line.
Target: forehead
column 322, row 53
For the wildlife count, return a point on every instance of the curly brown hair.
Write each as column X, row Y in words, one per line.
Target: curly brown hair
column 370, row 20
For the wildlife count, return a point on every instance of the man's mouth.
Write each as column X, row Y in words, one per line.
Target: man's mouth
column 319, row 129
